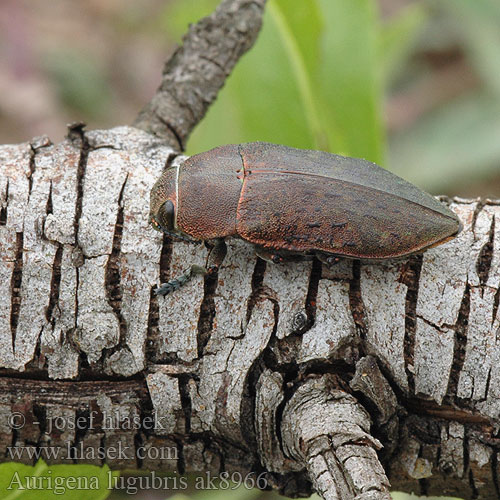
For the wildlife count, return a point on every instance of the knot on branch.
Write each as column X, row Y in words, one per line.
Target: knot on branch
column 327, row 431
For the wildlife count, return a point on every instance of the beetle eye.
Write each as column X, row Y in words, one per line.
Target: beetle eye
column 166, row 215
column 155, row 224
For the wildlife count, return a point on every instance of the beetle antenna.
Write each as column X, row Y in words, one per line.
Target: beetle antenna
column 177, row 236
column 176, row 283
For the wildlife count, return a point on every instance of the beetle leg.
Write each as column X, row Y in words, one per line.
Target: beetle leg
column 176, row 283
column 216, row 256
column 327, row 258
column 214, row 260
column 268, row 255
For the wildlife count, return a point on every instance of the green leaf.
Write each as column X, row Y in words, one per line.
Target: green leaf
column 261, row 99
column 302, row 66
column 312, row 80
column 306, row 35
column 50, row 482
column 229, row 492
column 351, row 75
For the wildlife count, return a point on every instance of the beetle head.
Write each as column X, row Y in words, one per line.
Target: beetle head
column 163, row 205
column 164, row 220
column 163, row 201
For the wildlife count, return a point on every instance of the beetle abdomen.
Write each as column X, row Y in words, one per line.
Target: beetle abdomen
column 267, row 156
column 307, row 200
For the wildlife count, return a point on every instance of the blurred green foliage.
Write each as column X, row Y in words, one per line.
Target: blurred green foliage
column 397, row 495
column 459, row 141
column 397, row 40
column 240, row 493
column 81, row 82
column 312, row 80
column 56, row 481
column 320, row 72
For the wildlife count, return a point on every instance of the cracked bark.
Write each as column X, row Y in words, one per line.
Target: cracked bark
column 324, row 378
column 338, row 380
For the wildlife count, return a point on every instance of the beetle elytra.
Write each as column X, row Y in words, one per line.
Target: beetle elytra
column 290, row 202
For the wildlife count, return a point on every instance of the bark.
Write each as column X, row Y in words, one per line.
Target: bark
column 336, row 379
column 324, row 378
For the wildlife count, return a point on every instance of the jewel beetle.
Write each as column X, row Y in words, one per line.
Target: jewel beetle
column 291, row 202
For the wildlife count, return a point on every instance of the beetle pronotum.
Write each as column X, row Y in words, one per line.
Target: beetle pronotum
column 290, row 202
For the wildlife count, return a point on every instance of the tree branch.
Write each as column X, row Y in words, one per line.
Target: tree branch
column 252, row 370
column 336, row 379
column 197, row 70
column 327, row 430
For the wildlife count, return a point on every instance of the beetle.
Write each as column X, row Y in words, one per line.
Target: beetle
column 291, row 202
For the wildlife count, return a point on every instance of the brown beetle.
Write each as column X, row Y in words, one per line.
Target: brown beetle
column 289, row 201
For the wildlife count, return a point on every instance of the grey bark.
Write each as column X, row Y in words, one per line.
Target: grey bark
column 338, row 380
column 323, row 378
